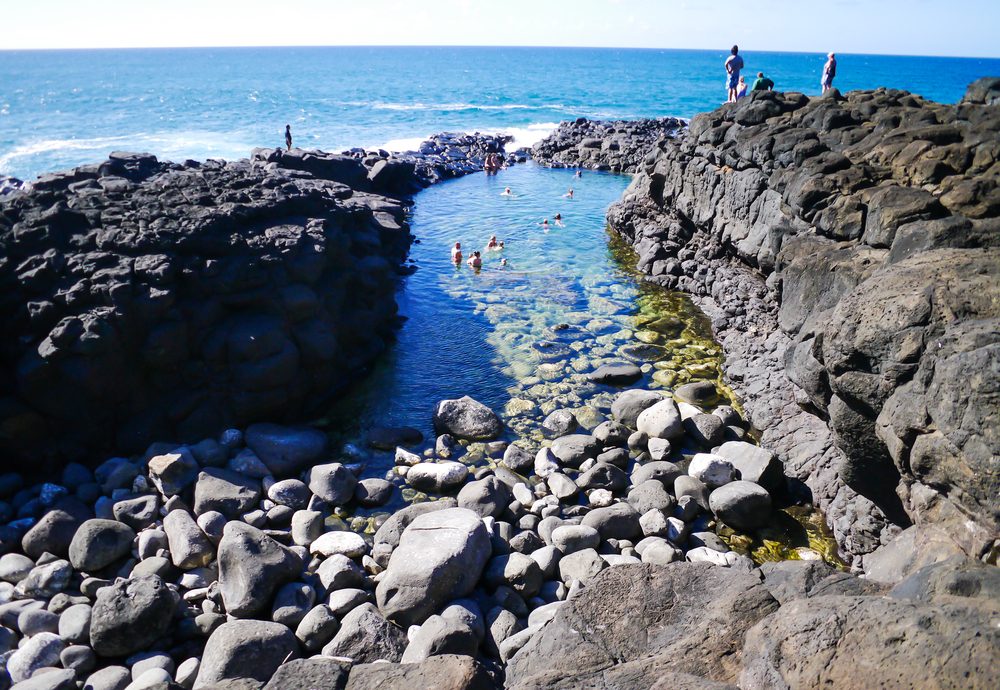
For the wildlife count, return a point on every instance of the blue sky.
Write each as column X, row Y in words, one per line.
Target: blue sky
column 903, row 27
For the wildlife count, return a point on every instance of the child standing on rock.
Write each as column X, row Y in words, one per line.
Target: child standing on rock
column 288, row 137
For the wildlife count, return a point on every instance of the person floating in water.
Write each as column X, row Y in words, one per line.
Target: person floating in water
column 762, row 83
column 456, row 253
column 506, row 192
column 503, row 263
column 492, row 245
column 545, row 224
column 475, row 260
column 569, row 194
column 500, row 248
column 829, row 72
column 558, row 220
column 288, row 137
column 579, row 173
column 741, row 89
column 734, row 63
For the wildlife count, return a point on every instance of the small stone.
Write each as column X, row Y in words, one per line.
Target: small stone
column 712, row 470
column 317, row 628
column 333, row 483
column 189, row 547
column 742, row 505
column 661, row 420
column 345, row 543
column 581, row 565
column 290, row 492
column 171, row 473
column 437, row 477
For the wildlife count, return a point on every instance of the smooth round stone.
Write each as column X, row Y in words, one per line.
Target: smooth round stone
column 14, row 567
column 344, row 543
column 36, row 621
column 78, row 658
column 374, row 492
column 600, row 498
column 742, row 505
column 571, row 538
column 343, row 601
column 99, row 543
column 290, row 492
column 700, row 393
column 437, row 477
column 141, row 663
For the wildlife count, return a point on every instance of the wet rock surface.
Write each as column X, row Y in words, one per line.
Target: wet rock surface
column 845, row 248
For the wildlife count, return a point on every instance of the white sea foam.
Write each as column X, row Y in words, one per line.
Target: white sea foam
column 451, row 107
column 165, row 145
column 523, row 137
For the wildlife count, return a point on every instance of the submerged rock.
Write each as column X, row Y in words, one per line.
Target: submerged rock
column 468, row 419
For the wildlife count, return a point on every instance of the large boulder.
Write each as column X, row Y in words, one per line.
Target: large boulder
column 130, row 615
column 630, row 404
column 444, row 672
column 467, row 418
column 365, row 636
column 286, row 450
column 865, row 642
column 245, row 649
column 252, row 566
column 439, row 558
column 684, row 618
column 310, row 674
column 99, row 543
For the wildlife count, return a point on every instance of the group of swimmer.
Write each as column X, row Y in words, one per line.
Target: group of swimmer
column 476, row 258
column 493, row 164
column 736, row 86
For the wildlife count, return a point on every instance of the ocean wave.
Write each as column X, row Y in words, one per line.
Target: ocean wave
column 526, row 136
column 167, row 145
column 450, row 107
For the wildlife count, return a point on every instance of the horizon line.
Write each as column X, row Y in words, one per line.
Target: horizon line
column 509, row 47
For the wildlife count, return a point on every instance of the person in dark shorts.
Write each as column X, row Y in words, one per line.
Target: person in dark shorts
column 288, row 137
column 829, row 72
column 762, row 83
column 734, row 63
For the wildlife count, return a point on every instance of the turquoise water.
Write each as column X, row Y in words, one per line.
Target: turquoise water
column 64, row 108
column 522, row 337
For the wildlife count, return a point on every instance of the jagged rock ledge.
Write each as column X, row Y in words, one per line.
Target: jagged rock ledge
column 848, row 250
column 619, row 146
column 143, row 299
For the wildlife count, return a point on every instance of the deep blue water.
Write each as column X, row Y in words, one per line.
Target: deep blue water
column 64, row 108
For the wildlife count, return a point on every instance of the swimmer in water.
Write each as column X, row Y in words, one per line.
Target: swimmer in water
column 493, row 244
column 545, row 224
column 501, row 247
column 558, row 220
column 475, row 260
column 579, row 173
column 569, row 194
column 506, row 192
column 456, row 253
column 503, row 263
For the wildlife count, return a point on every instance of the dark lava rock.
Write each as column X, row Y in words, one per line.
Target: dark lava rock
column 366, row 636
column 286, row 450
column 130, row 615
column 310, row 674
column 616, row 374
column 648, row 620
column 99, row 543
column 227, row 492
column 252, row 566
column 467, row 418
column 445, row 672
column 245, row 649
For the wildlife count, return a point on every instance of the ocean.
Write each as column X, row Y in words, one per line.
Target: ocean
column 64, row 108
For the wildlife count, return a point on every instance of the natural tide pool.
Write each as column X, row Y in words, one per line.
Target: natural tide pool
column 522, row 338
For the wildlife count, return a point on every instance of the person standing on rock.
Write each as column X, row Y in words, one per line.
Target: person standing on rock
column 288, row 137
column 829, row 72
column 762, row 83
column 734, row 63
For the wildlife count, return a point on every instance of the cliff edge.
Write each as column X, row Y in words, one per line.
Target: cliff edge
column 848, row 251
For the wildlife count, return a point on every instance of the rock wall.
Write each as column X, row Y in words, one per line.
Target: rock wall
column 616, row 146
column 848, row 251
column 144, row 299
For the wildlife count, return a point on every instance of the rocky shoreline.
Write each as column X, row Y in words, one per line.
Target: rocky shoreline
column 614, row 554
column 846, row 249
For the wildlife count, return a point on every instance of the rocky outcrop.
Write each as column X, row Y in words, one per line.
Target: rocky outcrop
column 143, row 299
column 846, row 249
column 616, row 146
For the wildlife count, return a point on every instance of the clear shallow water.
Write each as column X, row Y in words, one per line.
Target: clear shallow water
column 522, row 338
column 64, row 108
